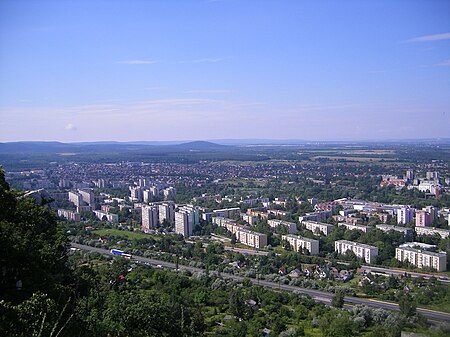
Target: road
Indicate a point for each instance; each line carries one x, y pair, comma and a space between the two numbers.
402, 272
319, 296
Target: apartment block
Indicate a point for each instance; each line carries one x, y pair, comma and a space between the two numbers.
227, 212
149, 218
444, 233
250, 238
387, 228
274, 223
69, 215
166, 212
423, 219
366, 252
421, 258
106, 216
185, 219
298, 242
354, 227
318, 227
405, 215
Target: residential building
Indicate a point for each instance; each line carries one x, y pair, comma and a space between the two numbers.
88, 197
298, 242
227, 212
75, 198
365, 252
136, 193
316, 216
291, 227
250, 219
106, 216
69, 215
185, 219
166, 212
251, 238
318, 227
444, 233
149, 217
423, 219
421, 258
405, 215
169, 193
354, 227
407, 232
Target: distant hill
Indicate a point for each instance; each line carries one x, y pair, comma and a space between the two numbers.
98, 147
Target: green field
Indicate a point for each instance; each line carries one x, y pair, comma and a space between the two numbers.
124, 234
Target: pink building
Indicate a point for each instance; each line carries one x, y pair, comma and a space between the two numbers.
423, 219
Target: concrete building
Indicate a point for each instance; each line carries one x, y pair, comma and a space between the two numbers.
298, 242
75, 198
88, 197
166, 212
444, 233
354, 227
250, 219
421, 258
136, 194
69, 215
250, 238
365, 252
407, 232
410, 175
316, 216
185, 219
150, 216
106, 216
274, 223
405, 215
227, 212
169, 193
318, 227
423, 219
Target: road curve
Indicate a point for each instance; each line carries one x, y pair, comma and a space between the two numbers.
317, 295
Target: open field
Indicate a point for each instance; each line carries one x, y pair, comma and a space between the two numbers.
126, 234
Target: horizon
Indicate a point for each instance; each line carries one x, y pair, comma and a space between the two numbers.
219, 69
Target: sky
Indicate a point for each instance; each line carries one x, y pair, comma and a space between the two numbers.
136, 70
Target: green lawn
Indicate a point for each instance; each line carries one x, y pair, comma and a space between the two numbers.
124, 234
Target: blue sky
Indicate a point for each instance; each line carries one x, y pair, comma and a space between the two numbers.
199, 69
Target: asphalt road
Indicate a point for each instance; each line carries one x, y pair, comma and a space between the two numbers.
317, 295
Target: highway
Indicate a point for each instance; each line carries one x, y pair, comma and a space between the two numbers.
319, 296
402, 272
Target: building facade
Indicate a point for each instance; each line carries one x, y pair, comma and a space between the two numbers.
300, 243
365, 252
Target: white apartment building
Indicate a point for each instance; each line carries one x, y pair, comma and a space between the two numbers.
421, 258
387, 228
317, 227
149, 218
169, 193
444, 233
274, 223
250, 219
88, 197
353, 227
185, 219
106, 216
250, 238
166, 212
298, 242
366, 252
69, 215
405, 215
227, 212
75, 198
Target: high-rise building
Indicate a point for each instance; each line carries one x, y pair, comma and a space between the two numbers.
432, 175
169, 193
405, 215
149, 217
410, 175
136, 194
423, 219
166, 212
88, 197
185, 219
75, 198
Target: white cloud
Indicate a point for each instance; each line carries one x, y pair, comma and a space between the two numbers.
71, 127
138, 62
208, 60
445, 63
428, 38
207, 91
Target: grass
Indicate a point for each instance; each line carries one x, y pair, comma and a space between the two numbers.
124, 234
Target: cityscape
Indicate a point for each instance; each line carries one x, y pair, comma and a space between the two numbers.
224, 168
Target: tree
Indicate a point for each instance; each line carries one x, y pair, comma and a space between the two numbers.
233, 239
407, 306
338, 300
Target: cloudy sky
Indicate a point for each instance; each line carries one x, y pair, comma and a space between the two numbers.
214, 69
